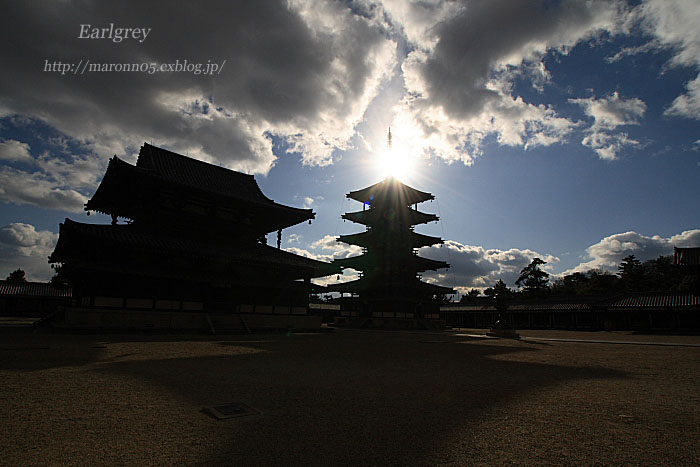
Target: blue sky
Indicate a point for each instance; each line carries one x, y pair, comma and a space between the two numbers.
565, 130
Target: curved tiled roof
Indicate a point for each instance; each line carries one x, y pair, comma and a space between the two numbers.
390, 187
656, 301
365, 239
125, 189
74, 235
33, 289
375, 216
194, 173
416, 263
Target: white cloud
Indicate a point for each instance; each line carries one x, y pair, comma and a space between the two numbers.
608, 145
674, 24
608, 253
609, 113
417, 19
56, 179
337, 249
308, 201
459, 78
294, 238
476, 267
309, 254
688, 104
20, 187
22, 246
74, 171
15, 151
327, 249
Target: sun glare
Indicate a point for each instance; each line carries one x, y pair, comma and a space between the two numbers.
392, 163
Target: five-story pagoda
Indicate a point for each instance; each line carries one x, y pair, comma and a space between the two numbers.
390, 284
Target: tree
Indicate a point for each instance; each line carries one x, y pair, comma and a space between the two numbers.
628, 267
592, 282
571, 284
443, 298
601, 283
500, 288
59, 279
631, 273
689, 284
661, 275
470, 296
17, 275
532, 278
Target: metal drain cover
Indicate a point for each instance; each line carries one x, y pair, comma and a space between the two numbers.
231, 410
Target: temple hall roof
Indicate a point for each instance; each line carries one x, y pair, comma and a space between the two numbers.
194, 173
126, 190
76, 238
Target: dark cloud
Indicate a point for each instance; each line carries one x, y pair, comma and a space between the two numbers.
489, 34
286, 72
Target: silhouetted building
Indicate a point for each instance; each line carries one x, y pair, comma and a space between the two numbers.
639, 312
193, 241
390, 284
31, 298
686, 256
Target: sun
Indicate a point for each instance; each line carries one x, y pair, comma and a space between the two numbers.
393, 162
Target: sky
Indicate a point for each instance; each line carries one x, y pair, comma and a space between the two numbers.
564, 130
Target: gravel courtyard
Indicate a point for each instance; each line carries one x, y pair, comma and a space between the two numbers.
350, 397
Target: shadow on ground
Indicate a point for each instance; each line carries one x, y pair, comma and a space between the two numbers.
344, 398
347, 398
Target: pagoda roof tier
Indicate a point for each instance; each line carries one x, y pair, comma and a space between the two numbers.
368, 239
374, 216
414, 263
165, 181
390, 191
91, 243
364, 285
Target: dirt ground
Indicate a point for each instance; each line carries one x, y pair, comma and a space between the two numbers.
350, 397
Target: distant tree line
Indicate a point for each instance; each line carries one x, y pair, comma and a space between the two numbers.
59, 278
654, 275
18, 275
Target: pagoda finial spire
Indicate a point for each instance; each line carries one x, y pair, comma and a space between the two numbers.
388, 139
